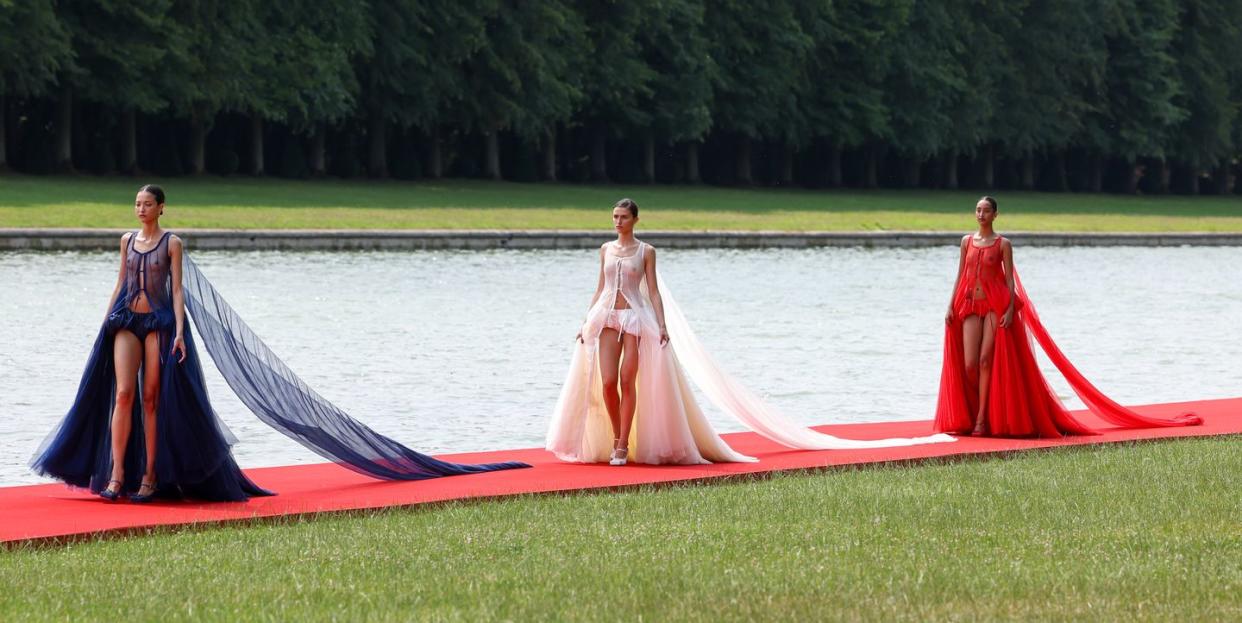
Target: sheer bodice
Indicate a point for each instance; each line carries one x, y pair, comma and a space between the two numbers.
624, 275
148, 272
984, 269
625, 285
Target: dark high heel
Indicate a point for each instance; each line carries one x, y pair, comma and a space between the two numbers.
110, 495
139, 498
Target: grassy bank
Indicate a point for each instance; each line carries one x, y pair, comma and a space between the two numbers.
1142, 532
460, 204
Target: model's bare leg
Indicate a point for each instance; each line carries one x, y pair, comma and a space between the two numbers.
150, 403
985, 371
972, 336
126, 355
609, 372
629, 373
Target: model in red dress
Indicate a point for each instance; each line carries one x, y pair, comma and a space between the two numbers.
990, 383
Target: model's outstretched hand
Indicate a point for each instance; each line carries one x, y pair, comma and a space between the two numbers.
578, 338
178, 347
663, 336
1007, 319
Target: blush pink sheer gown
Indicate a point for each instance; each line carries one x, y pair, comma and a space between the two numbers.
669, 426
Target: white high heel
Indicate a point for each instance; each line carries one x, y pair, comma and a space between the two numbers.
619, 455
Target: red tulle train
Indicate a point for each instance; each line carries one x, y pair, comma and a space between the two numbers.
1020, 401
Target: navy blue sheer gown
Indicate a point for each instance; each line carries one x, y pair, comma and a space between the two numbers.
193, 457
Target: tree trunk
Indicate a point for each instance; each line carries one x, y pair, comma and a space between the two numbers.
1192, 185
935, 173
1133, 176
833, 174
743, 173
4, 124
599, 154
692, 163
80, 149
318, 151
1028, 172
914, 172
649, 175
787, 165
256, 144
129, 142
870, 164
1224, 178
64, 130
198, 142
435, 155
491, 156
549, 155
1166, 177
1060, 177
989, 167
950, 171
1095, 172
377, 145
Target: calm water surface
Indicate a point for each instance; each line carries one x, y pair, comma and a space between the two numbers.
464, 351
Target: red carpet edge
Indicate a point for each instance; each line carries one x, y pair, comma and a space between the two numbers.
55, 513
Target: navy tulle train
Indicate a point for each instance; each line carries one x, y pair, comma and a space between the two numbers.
193, 457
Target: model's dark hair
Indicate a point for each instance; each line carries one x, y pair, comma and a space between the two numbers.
991, 202
155, 191
628, 204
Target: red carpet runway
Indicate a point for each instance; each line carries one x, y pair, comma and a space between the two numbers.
40, 512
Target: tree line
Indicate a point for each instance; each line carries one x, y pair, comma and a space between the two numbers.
1064, 95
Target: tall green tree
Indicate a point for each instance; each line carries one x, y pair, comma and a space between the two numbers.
843, 100
29, 70
927, 80
1208, 37
675, 45
525, 78
1226, 174
413, 76
1136, 108
1052, 59
982, 49
616, 76
214, 67
119, 47
761, 56
301, 70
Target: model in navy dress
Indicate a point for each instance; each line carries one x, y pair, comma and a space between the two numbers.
142, 424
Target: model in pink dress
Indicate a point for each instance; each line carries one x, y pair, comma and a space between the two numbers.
627, 396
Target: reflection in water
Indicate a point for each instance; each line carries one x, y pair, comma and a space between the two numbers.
464, 351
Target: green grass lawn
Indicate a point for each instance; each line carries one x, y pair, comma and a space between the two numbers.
471, 204
1125, 532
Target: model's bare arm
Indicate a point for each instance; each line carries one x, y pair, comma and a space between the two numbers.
1007, 257
599, 285
599, 288
120, 277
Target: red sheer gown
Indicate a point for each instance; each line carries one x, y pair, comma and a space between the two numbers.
1020, 401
